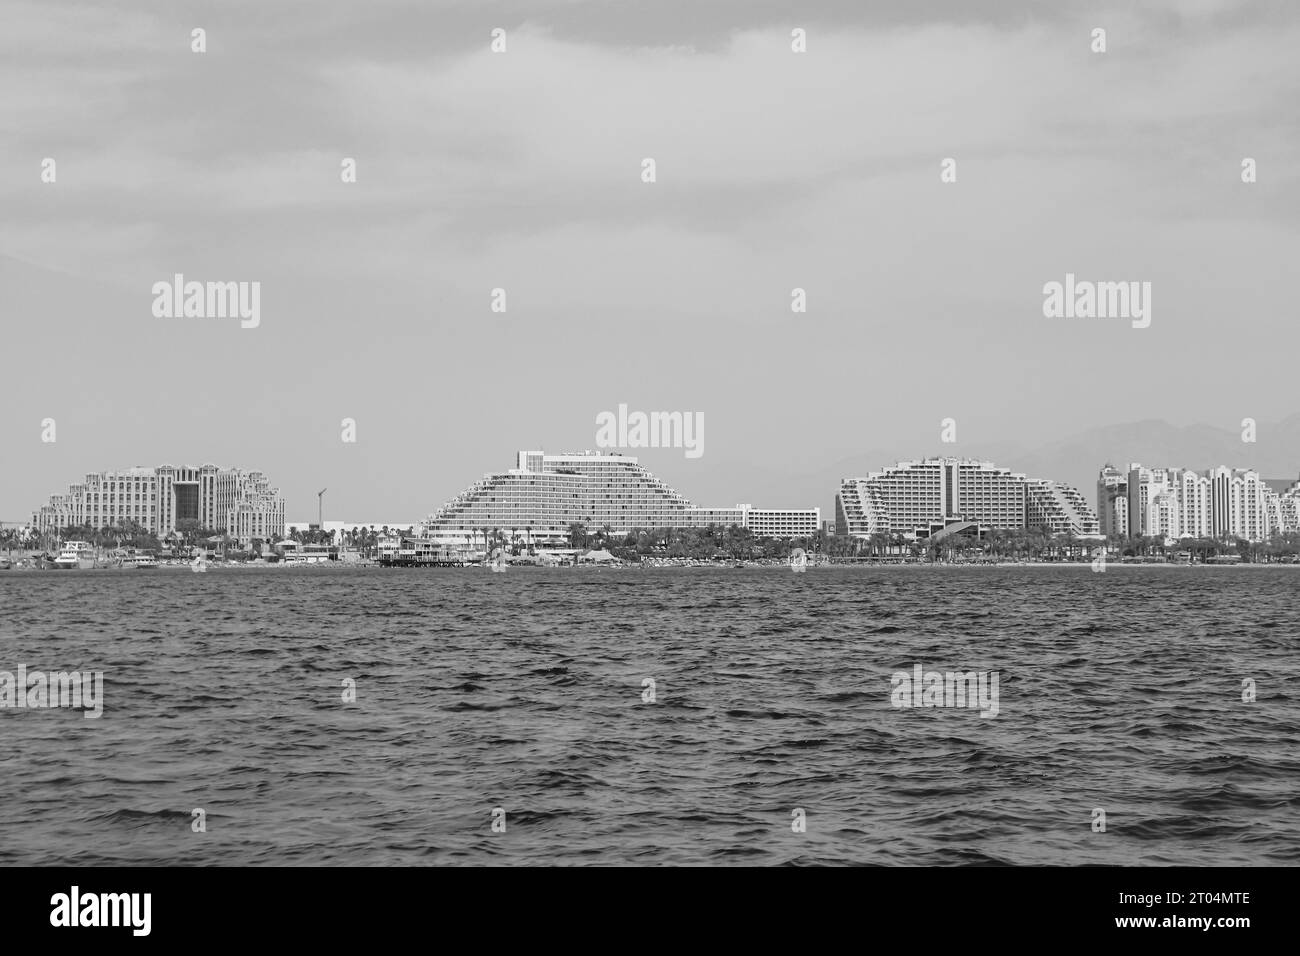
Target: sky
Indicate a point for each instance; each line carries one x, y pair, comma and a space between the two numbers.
522, 170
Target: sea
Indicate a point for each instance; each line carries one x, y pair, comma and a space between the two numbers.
690, 716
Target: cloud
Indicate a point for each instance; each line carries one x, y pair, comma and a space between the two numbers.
775, 170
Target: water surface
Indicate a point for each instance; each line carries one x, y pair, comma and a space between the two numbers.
1120, 691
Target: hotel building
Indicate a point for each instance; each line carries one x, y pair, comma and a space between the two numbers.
918, 498
1112, 501
1284, 505
544, 495
1062, 509
241, 504
1175, 503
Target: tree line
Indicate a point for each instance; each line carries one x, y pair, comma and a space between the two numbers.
714, 541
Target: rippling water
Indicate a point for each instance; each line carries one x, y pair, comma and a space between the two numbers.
1120, 691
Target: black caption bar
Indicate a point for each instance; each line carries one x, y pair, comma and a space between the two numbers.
148, 906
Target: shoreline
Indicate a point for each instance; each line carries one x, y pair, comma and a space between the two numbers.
687, 564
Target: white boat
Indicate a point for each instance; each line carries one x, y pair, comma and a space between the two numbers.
199, 564
497, 562
75, 556
142, 560
798, 560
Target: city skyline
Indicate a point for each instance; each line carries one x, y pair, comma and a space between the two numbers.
1181, 502
1136, 500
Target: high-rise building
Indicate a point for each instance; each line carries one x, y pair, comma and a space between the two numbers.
242, 504
1239, 503
1284, 506
1193, 492
543, 496
1112, 501
1153, 506
1179, 503
913, 498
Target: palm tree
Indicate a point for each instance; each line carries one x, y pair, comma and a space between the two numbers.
882, 540
1023, 544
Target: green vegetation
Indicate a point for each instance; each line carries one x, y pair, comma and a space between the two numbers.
717, 542
123, 534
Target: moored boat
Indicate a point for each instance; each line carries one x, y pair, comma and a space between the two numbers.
75, 556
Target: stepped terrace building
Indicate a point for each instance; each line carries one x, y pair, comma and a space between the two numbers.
242, 504
543, 496
919, 498
1059, 508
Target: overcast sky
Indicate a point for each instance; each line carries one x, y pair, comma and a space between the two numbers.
522, 171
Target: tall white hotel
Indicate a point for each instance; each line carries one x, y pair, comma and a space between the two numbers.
241, 504
918, 498
1180, 503
544, 495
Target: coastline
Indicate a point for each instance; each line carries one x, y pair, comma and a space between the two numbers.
668, 565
